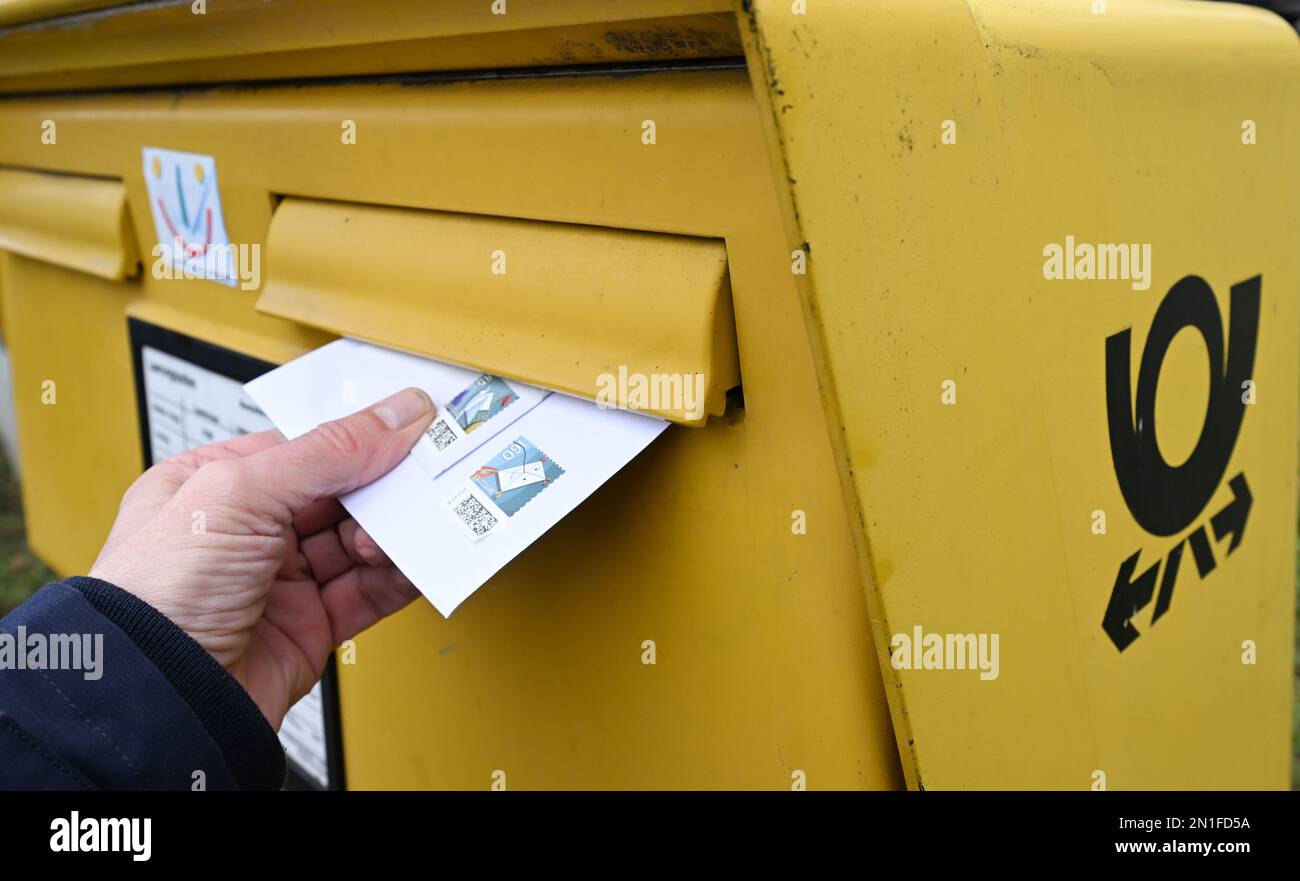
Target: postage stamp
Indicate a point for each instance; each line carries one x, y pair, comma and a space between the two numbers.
514, 476
498, 490
472, 407
485, 397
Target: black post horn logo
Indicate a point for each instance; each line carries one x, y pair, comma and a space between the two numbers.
1165, 499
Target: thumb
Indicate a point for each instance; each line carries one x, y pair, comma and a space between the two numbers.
340, 456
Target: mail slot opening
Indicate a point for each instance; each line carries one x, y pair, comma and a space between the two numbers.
615, 315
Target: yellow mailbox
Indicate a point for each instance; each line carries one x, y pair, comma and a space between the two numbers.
995, 303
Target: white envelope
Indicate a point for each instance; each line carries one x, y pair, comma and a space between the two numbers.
349, 375
408, 511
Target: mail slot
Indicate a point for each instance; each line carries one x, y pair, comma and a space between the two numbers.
838, 222
76, 222
580, 302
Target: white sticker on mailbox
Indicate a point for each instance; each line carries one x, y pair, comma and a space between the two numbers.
187, 217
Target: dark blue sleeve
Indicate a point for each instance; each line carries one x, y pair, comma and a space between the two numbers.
99, 690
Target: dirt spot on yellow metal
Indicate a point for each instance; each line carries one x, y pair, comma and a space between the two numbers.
672, 42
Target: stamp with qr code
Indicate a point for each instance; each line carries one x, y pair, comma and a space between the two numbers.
472, 407
498, 490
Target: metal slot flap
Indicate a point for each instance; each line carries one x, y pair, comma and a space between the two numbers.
584, 310
77, 222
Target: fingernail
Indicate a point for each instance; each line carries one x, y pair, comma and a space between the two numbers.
403, 408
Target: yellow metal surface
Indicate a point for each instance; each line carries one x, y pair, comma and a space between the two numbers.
256, 40
567, 303
928, 266
764, 663
17, 11
76, 416
79, 223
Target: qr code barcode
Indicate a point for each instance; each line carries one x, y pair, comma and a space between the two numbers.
441, 435
472, 513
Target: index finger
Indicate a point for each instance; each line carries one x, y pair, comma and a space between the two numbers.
161, 482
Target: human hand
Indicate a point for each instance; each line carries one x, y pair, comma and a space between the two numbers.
244, 545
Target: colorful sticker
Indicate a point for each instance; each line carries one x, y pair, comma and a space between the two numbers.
187, 216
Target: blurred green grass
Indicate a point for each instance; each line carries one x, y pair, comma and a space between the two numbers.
21, 573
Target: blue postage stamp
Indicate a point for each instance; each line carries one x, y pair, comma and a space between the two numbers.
485, 397
514, 476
